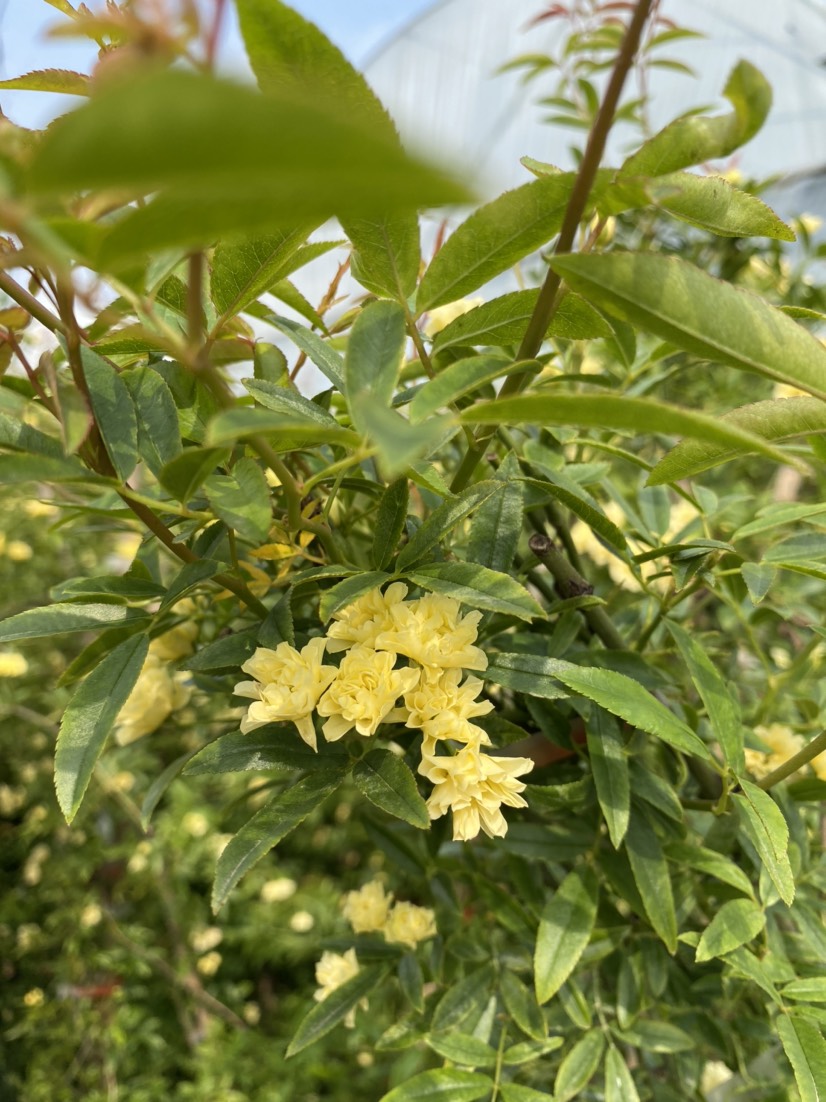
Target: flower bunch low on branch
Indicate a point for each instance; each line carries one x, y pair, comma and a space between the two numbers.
403, 662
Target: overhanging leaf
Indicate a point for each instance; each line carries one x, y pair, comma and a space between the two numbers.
90, 716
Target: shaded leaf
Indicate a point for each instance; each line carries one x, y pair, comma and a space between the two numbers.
267, 827
478, 587
387, 781
651, 874
241, 499
332, 1010
564, 930
443, 520
114, 411
579, 1066
767, 829
90, 716
39, 623
609, 764
389, 524
159, 435
737, 922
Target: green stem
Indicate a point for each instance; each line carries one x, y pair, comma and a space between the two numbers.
570, 583
34, 306
802, 757
548, 296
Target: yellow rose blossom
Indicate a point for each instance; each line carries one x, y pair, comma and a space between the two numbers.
365, 619
408, 924
364, 693
333, 970
440, 702
473, 786
18, 551
156, 694
783, 744
287, 687
432, 632
366, 909
13, 664
442, 316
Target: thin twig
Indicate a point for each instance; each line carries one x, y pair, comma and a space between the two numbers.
802, 757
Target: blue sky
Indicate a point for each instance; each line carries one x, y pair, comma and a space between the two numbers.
356, 26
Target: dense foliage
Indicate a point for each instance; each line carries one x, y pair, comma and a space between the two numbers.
482, 686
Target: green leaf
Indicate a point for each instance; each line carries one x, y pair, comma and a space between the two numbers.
811, 990
627, 699
289, 54
459, 1001
278, 627
805, 1048
156, 790
527, 1052
520, 1003
758, 578
514, 1092
494, 238
397, 442
641, 416
460, 378
159, 435
619, 1083
387, 782
230, 651
774, 420
478, 587
327, 1014
286, 157
43, 468
386, 254
692, 310
62, 81
90, 716
17, 434
286, 400
737, 922
389, 523
318, 351
126, 586
497, 523
768, 831
722, 707
443, 520
657, 1036
114, 411
463, 1049
40, 623
696, 138
609, 764
272, 747
287, 431
650, 870
411, 981
344, 593
711, 203
503, 321
558, 485
267, 827
525, 673
710, 862
442, 1085
190, 575
242, 271
375, 352
241, 500
564, 930
579, 1066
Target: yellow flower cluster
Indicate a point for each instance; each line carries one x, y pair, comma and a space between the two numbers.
783, 744
368, 688
371, 910
158, 691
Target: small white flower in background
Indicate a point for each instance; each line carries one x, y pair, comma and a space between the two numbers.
333, 970
251, 1013
35, 997
302, 922
278, 890
442, 316
207, 938
11, 800
13, 664
408, 924
90, 916
195, 823
33, 868
366, 909
715, 1074
18, 551
209, 964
